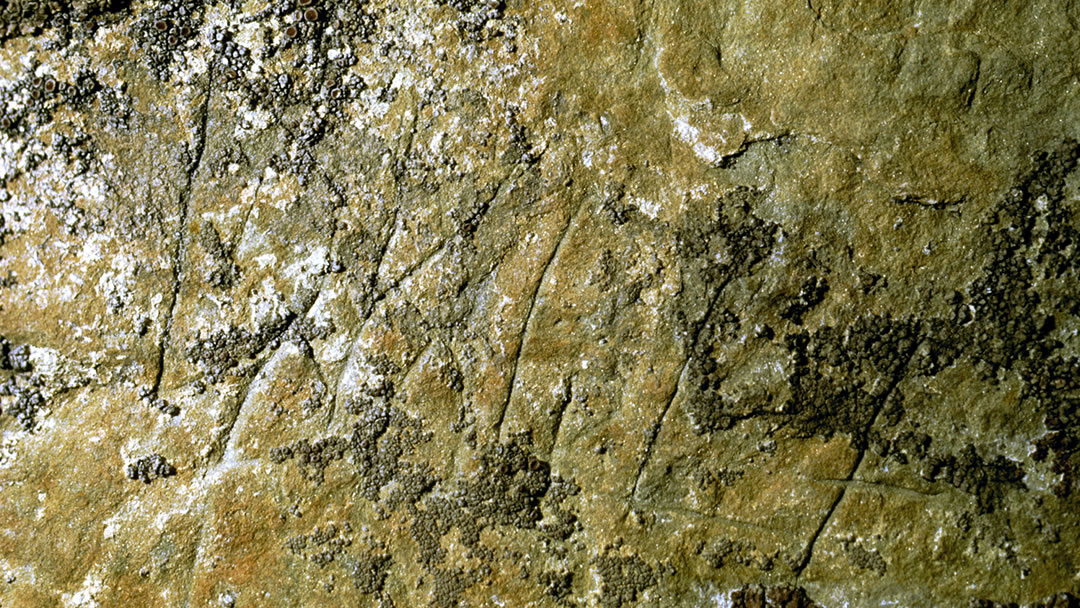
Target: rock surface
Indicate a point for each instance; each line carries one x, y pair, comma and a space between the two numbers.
607, 303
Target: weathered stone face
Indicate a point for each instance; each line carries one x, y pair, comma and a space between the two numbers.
607, 303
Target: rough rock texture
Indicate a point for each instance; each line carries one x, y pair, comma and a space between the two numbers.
606, 303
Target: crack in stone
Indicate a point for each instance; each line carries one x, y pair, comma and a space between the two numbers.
806, 555
221, 444
570, 222
239, 237
415, 266
727, 160
654, 430
184, 201
564, 402
803, 559
385, 248
876, 485
728, 521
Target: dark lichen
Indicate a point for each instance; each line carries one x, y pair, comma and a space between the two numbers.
15, 357
811, 293
863, 558
986, 480
622, 578
24, 405
30, 17
164, 30
149, 468
780, 596
557, 584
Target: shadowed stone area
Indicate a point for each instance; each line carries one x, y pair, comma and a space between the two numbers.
502, 303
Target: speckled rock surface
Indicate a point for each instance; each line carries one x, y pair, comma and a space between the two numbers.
480, 303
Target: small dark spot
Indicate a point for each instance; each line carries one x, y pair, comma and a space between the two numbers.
165, 407
769, 597
149, 468
311, 15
